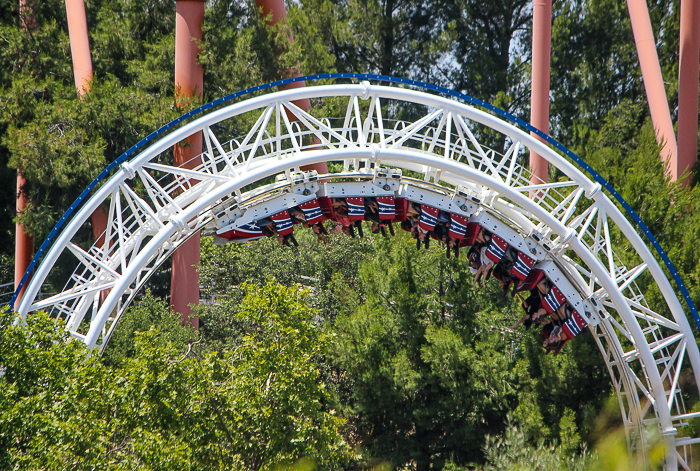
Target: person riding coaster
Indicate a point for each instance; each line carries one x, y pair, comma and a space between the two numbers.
309, 215
508, 265
533, 304
340, 215
566, 326
503, 273
425, 222
480, 264
349, 212
564, 323
379, 213
413, 215
533, 307
442, 234
279, 226
530, 305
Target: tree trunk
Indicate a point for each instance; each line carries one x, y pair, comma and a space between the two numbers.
388, 50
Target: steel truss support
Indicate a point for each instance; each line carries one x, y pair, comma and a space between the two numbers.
155, 207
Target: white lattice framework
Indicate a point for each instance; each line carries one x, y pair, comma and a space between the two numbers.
154, 207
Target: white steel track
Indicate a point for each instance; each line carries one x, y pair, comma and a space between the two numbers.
154, 206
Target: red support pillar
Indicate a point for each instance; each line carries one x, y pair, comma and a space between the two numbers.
83, 74
24, 245
653, 81
189, 81
79, 45
688, 78
278, 12
539, 98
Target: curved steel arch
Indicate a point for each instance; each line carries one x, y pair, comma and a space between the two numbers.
644, 350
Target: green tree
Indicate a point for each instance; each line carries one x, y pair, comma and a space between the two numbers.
253, 408
36, 55
489, 48
145, 314
331, 271
58, 141
594, 64
512, 452
562, 394
427, 371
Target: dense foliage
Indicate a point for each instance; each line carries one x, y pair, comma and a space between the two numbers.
359, 353
253, 407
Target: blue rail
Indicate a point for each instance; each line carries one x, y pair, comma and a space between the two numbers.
380, 78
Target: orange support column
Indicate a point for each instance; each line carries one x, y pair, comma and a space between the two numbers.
24, 245
688, 78
539, 98
79, 45
653, 81
83, 74
278, 12
189, 81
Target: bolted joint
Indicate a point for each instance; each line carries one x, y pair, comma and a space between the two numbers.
564, 239
128, 170
570, 235
594, 191
366, 89
375, 153
178, 223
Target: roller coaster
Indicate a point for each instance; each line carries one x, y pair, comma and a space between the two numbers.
439, 164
